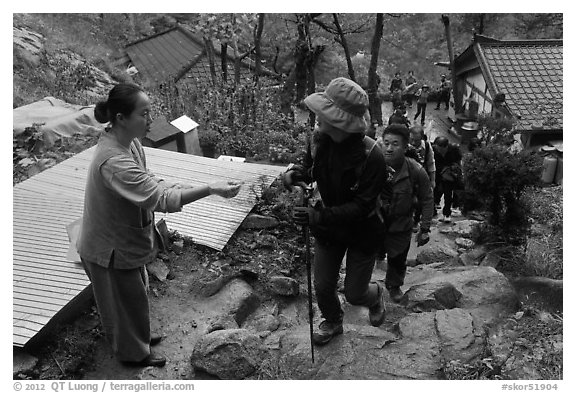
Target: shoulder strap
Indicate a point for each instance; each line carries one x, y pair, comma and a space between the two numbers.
369, 145
413, 181
426, 153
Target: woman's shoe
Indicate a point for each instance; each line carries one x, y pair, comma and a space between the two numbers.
151, 360
155, 339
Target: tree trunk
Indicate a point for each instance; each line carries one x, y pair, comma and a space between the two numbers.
311, 57
481, 26
373, 79
455, 90
237, 58
300, 57
287, 94
210, 52
344, 43
224, 62
257, 49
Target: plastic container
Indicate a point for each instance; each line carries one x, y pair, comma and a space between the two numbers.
549, 169
559, 170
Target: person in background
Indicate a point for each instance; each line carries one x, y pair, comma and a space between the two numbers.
422, 95
445, 88
118, 235
424, 154
410, 89
448, 160
399, 116
396, 87
376, 110
410, 181
350, 174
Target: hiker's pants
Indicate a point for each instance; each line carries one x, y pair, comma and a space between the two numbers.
421, 111
357, 288
395, 248
445, 188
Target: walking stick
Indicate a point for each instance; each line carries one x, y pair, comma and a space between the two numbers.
306, 194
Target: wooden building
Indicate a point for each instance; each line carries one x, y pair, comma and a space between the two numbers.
517, 78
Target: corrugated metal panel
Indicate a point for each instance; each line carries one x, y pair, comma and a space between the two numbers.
44, 281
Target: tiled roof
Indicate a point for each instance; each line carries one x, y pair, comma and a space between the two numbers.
164, 55
529, 73
201, 72
178, 52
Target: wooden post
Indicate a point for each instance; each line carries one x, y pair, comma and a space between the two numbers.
455, 93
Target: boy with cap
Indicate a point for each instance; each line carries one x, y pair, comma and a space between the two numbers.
345, 223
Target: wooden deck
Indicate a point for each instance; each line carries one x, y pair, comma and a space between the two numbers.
44, 281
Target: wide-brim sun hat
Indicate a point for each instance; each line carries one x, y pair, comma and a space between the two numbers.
343, 105
470, 126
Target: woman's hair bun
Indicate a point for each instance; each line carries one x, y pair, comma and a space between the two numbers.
101, 112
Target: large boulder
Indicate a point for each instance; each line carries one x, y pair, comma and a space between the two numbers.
463, 228
237, 298
228, 354
437, 253
460, 338
209, 285
257, 221
284, 286
28, 45
158, 269
432, 296
380, 353
486, 293
473, 257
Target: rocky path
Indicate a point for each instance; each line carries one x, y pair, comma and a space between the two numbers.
454, 313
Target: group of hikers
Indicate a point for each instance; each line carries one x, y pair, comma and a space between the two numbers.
374, 194
402, 95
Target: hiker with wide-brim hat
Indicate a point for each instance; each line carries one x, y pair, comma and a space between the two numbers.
350, 174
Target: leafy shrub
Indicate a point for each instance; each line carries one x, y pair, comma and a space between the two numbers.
499, 176
542, 254
247, 117
499, 130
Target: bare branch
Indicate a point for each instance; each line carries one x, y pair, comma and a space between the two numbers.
325, 27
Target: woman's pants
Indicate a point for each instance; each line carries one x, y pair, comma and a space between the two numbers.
122, 302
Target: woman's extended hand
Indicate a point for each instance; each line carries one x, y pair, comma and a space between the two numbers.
225, 189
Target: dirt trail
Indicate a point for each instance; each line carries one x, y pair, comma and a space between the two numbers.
183, 317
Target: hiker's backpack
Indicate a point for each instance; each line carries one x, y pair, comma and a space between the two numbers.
412, 152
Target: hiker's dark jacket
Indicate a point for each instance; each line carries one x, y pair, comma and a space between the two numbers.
347, 212
453, 156
410, 182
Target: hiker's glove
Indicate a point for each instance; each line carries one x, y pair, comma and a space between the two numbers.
422, 238
305, 215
